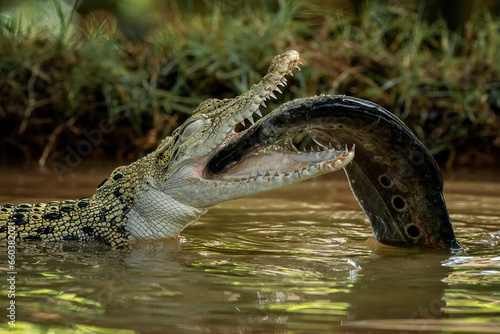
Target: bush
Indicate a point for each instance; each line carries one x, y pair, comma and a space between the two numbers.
55, 83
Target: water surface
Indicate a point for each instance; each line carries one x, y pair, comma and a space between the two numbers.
297, 260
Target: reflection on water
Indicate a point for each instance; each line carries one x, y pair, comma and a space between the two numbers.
295, 260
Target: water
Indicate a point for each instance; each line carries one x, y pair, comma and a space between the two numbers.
296, 260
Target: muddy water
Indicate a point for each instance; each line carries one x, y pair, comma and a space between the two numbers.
298, 260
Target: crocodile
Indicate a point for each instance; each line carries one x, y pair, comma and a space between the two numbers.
160, 194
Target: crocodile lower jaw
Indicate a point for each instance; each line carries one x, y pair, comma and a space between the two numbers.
279, 164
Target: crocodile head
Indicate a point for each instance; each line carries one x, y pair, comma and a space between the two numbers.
185, 161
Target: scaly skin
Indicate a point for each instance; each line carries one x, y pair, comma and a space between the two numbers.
161, 193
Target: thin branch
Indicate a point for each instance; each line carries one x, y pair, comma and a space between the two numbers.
52, 140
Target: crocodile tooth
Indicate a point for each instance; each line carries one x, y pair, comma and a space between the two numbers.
259, 174
276, 174
258, 112
243, 122
263, 103
278, 90
272, 95
267, 173
283, 81
251, 120
282, 84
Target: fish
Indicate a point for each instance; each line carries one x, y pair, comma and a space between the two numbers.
394, 178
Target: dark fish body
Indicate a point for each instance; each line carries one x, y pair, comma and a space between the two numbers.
394, 178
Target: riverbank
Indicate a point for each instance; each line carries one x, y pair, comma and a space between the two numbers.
91, 82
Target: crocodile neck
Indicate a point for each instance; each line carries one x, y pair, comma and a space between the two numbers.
155, 213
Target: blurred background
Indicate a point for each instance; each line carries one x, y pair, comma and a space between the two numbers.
68, 67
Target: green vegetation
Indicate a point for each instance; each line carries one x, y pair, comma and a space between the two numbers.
56, 82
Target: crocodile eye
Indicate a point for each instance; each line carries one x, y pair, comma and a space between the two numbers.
191, 128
